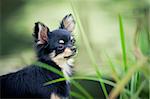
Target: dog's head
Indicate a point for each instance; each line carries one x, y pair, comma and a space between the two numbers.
57, 45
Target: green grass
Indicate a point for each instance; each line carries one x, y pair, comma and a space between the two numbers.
88, 48
128, 84
130, 69
76, 84
130, 79
123, 44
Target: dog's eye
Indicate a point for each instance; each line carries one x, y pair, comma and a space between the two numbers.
61, 42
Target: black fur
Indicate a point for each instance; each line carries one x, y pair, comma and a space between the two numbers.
28, 82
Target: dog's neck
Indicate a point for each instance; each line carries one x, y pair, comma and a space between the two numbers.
59, 62
66, 66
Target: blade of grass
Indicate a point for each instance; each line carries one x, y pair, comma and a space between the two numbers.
88, 48
120, 85
77, 95
122, 38
133, 84
87, 78
50, 68
115, 74
135, 96
77, 85
84, 78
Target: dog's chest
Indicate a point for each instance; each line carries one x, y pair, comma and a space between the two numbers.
67, 68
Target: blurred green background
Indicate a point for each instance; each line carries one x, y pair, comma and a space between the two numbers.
99, 19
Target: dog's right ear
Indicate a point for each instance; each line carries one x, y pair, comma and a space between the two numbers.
68, 23
40, 33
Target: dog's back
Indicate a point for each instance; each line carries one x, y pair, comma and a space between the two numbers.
29, 83
25, 83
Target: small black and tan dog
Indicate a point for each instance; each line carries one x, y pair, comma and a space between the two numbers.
54, 48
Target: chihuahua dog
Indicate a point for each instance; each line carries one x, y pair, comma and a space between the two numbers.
55, 48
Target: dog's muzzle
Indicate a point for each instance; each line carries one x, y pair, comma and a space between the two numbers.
73, 50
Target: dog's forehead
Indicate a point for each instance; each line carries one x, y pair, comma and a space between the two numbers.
61, 33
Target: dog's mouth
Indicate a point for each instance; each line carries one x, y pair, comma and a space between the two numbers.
69, 53
70, 56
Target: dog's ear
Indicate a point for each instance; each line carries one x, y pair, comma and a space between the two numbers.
68, 23
40, 33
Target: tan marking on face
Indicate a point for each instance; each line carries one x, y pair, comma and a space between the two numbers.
67, 52
60, 60
52, 55
63, 63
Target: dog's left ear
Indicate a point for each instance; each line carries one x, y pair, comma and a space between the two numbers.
40, 33
68, 23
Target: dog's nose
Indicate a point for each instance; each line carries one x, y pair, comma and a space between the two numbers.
74, 49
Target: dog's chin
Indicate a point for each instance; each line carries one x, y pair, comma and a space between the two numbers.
70, 56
